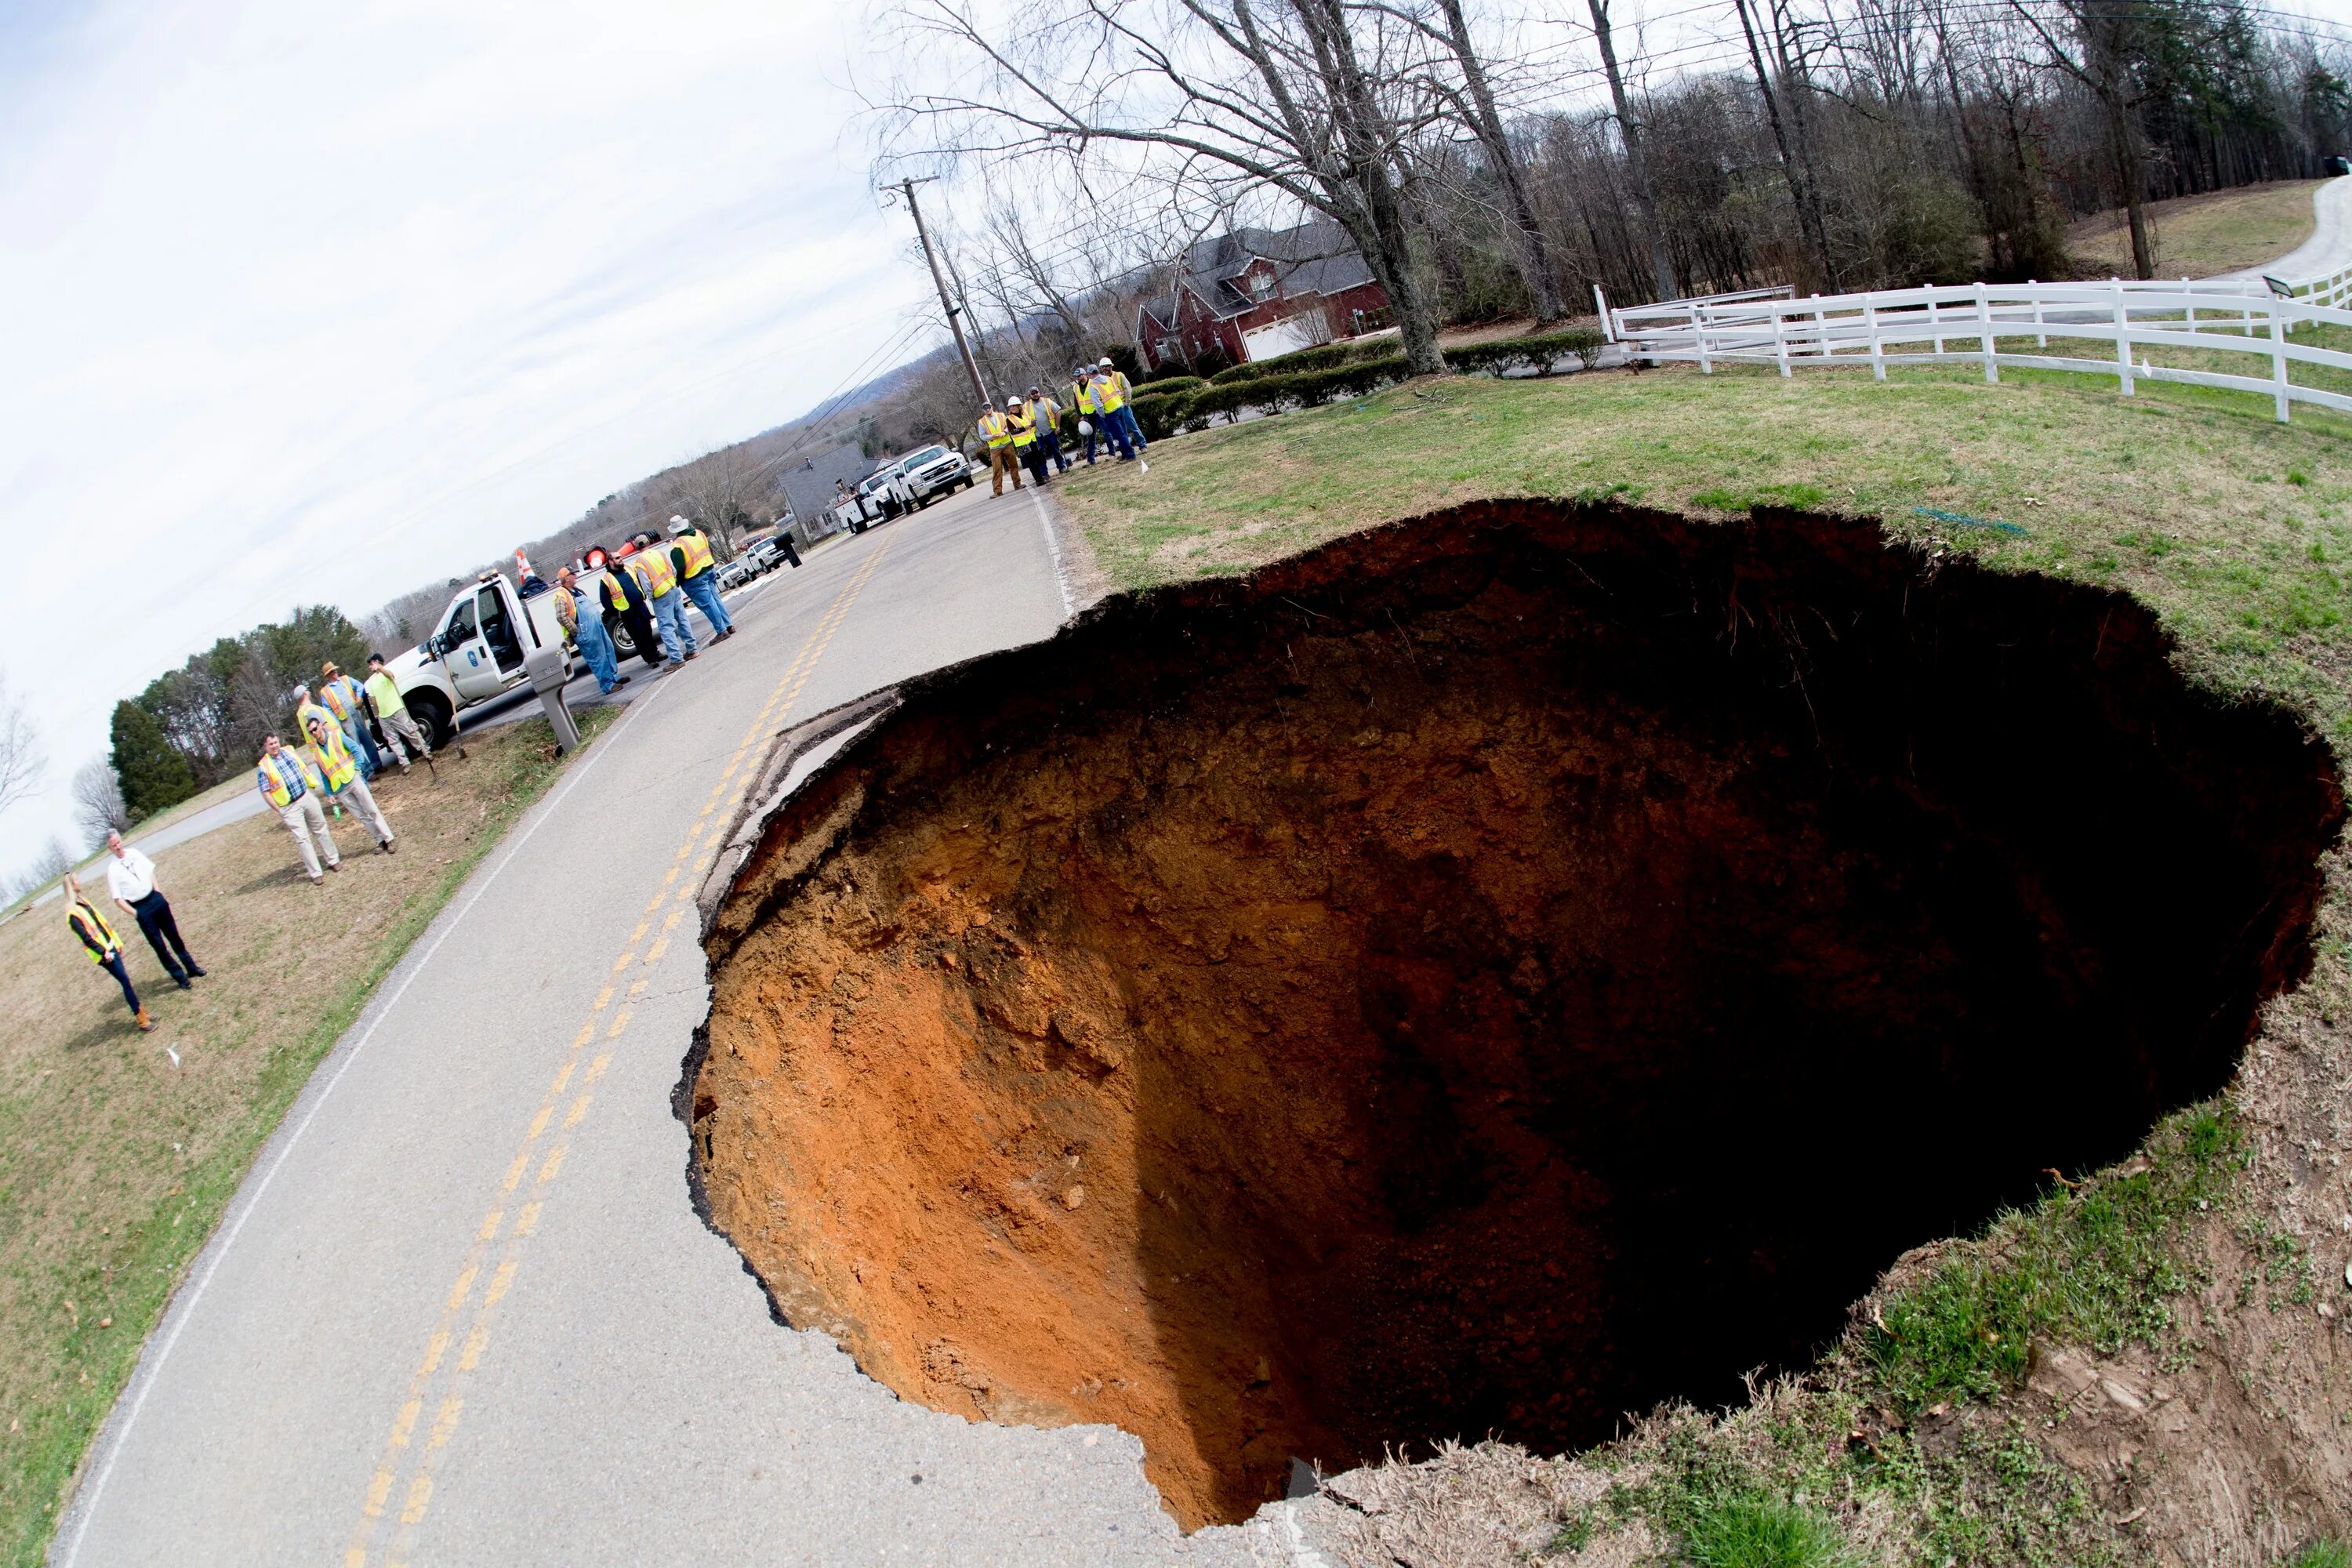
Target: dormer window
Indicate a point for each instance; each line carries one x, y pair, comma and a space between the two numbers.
1261, 284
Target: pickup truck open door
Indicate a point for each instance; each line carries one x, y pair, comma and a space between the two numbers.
481, 645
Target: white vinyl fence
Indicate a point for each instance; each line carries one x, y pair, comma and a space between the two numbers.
1986, 323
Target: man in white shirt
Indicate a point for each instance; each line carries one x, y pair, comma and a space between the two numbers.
131, 879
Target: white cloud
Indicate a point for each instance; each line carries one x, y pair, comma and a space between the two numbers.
312, 305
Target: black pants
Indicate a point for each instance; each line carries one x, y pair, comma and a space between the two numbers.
640, 622
1052, 441
1034, 456
155, 912
112, 964
790, 554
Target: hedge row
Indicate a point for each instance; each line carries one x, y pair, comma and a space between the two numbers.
1316, 376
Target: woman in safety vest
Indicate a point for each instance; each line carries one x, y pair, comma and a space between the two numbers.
1022, 418
104, 947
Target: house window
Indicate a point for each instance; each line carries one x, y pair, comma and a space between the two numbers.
1261, 284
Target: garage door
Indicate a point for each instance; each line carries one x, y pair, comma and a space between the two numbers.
1286, 336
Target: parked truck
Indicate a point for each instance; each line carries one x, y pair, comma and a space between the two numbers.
476, 649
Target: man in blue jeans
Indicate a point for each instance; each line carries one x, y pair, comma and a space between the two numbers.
691, 558
587, 633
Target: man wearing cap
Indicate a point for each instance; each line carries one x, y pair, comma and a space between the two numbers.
620, 589
401, 733
587, 632
690, 555
339, 695
997, 431
288, 783
660, 580
1049, 415
332, 760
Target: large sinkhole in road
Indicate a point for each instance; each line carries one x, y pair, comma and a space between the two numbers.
1485, 976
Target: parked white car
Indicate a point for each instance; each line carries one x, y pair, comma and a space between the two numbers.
919, 477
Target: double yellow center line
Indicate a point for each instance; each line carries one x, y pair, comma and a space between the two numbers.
441, 1378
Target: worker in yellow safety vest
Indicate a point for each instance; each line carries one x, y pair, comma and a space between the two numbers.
340, 694
338, 768
1082, 398
105, 948
1110, 405
1024, 421
294, 790
996, 429
1049, 415
662, 597
622, 591
689, 553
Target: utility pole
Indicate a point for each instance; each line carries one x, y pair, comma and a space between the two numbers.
955, 317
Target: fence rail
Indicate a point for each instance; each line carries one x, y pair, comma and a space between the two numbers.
2251, 318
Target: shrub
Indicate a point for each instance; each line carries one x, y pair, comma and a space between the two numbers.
1538, 353
1324, 357
1160, 416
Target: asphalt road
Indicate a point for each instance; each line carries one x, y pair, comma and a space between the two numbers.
463, 1312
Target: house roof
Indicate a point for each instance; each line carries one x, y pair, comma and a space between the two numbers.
1314, 257
809, 485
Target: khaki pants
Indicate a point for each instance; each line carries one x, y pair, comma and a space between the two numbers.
1000, 460
306, 819
407, 739
364, 807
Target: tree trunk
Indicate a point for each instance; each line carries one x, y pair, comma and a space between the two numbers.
1637, 168
1533, 256
2126, 152
1790, 167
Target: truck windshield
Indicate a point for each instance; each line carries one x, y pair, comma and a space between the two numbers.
928, 454
461, 624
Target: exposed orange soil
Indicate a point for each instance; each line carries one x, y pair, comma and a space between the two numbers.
1439, 985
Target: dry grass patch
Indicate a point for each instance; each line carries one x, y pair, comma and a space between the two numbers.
2197, 236
114, 1164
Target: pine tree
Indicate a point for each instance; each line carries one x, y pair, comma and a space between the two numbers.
152, 774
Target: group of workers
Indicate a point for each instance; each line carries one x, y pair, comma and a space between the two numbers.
1027, 431
648, 592
348, 730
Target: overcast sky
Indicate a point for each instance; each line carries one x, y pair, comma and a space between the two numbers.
313, 304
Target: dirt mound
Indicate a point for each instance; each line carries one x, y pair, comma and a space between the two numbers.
1485, 976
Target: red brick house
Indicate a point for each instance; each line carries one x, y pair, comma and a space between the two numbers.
1254, 293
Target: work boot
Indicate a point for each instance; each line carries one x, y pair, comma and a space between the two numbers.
387, 847
184, 982
334, 865
145, 1023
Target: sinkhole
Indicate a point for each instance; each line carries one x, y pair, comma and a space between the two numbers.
1484, 976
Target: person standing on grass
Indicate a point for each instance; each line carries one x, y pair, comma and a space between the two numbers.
131, 880
339, 695
400, 731
1082, 398
1112, 395
691, 558
587, 632
1107, 411
335, 765
997, 431
287, 782
105, 948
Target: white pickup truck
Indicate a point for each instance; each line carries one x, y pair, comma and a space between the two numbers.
476, 651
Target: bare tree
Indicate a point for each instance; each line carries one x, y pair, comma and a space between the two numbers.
718, 490
2108, 34
1637, 168
22, 760
1313, 99
98, 803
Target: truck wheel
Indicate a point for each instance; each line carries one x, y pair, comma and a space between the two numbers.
433, 715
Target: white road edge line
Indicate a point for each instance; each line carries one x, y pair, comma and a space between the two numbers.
183, 1306
1054, 549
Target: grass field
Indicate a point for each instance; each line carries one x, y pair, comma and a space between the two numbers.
2233, 527
2197, 236
115, 1164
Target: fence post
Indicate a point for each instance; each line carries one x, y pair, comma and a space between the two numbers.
1877, 350
1780, 339
2123, 339
1601, 305
1984, 321
2041, 338
1699, 337
2278, 360
1933, 326
2192, 305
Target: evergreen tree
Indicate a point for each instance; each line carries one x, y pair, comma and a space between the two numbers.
152, 774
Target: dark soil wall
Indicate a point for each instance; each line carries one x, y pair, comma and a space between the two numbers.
1487, 975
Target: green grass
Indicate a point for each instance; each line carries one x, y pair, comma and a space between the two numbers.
2097, 1267
114, 1171
2319, 1554
1758, 1530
